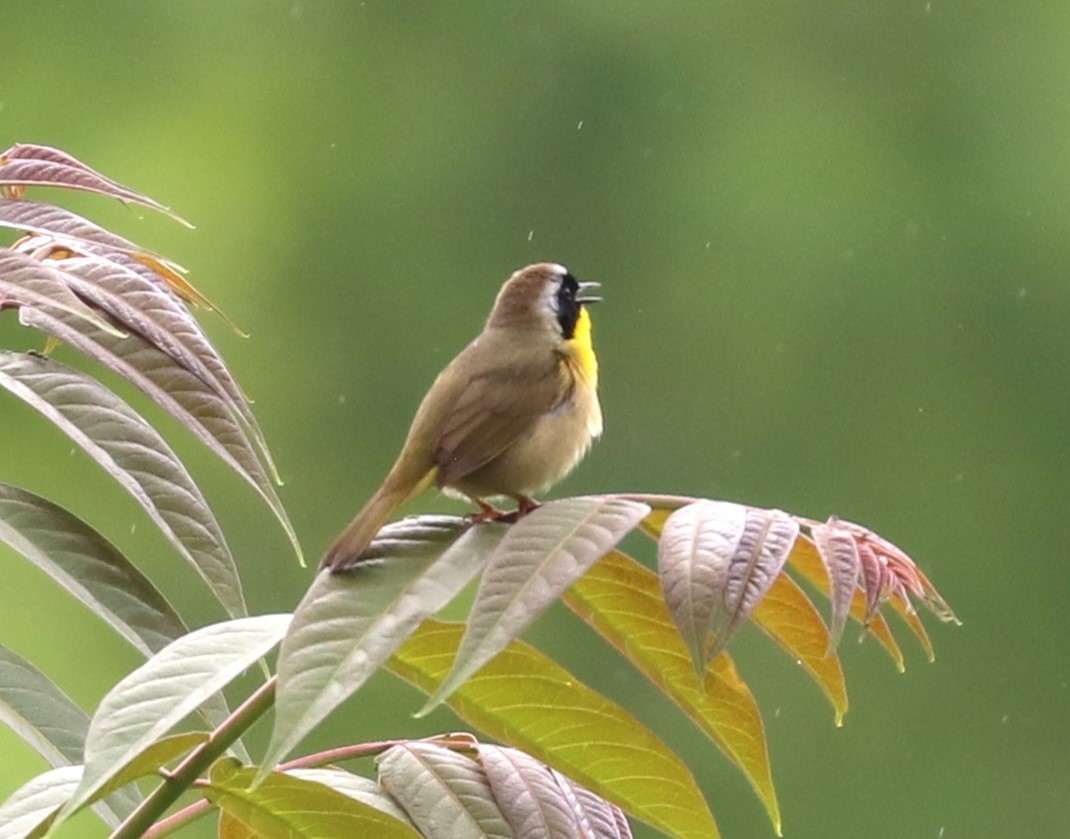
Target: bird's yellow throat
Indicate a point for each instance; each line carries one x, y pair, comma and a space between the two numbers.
581, 351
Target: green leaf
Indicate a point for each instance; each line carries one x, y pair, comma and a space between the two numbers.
148, 763
142, 707
90, 567
528, 701
357, 787
45, 717
133, 453
33, 707
536, 562
347, 625
283, 806
788, 617
233, 828
95, 572
179, 392
622, 601
446, 794
354, 786
30, 809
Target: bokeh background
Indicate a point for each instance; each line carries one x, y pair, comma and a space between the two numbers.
833, 241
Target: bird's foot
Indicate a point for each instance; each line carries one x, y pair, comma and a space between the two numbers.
524, 505
486, 513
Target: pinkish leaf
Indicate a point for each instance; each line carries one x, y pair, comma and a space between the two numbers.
25, 165
528, 794
159, 317
872, 573
145, 308
156, 269
444, 793
597, 818
59, 224
901, 574
54, 250
836, 546
696, 547
763, 549
25, 281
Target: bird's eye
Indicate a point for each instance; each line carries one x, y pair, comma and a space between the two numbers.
569, 287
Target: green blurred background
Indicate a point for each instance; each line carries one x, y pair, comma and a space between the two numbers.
833, 242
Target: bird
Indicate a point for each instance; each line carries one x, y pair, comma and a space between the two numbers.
510, 416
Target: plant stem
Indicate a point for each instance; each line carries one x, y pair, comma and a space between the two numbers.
656, 500
156, 804
457, 743
165, 827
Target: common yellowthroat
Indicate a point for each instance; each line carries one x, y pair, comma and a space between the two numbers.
510, 416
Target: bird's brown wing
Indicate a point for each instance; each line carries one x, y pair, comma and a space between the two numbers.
495, 409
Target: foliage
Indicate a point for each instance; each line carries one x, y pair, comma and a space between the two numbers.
573, 762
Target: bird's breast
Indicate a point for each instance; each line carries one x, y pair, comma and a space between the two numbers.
551, 449
579, 352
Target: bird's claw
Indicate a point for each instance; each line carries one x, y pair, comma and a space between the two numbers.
488, 513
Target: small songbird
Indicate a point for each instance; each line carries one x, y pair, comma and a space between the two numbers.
510, 416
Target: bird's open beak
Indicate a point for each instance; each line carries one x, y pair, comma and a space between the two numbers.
583, 297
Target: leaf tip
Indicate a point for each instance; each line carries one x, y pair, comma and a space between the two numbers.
432, 702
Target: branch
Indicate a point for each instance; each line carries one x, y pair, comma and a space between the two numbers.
177, 782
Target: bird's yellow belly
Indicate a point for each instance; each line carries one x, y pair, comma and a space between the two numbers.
544, 456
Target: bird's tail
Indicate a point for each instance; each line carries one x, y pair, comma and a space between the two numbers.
345, 552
